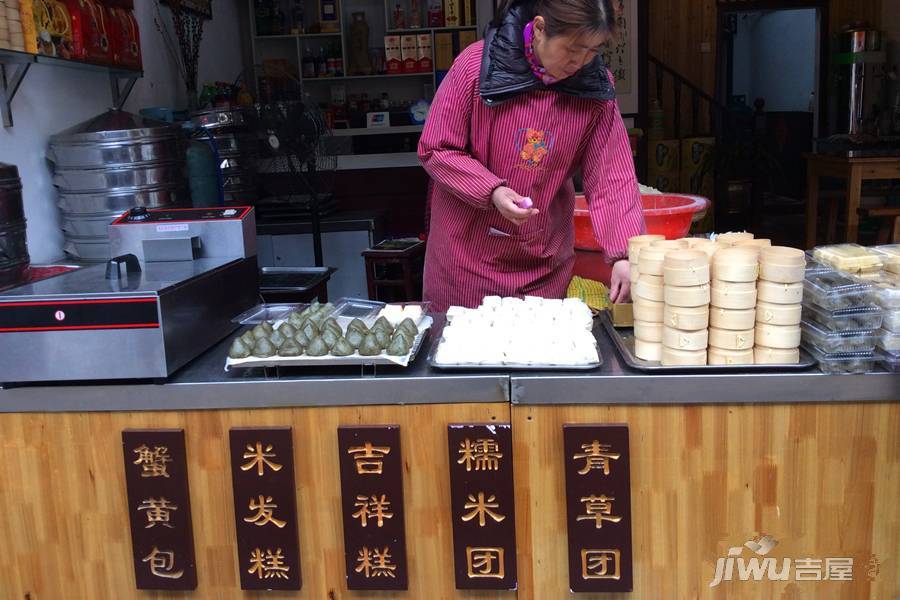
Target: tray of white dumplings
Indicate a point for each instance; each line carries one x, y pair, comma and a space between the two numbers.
518, 333
347, 333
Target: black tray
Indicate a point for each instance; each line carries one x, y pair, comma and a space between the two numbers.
623, 339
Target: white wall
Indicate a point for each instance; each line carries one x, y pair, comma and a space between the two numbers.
53, 99
775, 58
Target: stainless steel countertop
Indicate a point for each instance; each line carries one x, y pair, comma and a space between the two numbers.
204, 385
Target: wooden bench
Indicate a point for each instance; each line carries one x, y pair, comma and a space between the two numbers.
889, 231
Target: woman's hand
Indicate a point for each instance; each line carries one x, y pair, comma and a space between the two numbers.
506, 201
620, 284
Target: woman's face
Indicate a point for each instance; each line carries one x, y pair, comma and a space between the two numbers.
564, 55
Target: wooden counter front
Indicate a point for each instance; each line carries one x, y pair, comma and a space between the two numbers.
65, 519
822, 479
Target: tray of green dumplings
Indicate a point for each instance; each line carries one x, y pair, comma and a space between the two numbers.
346, 333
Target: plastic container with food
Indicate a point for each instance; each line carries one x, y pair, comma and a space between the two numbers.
889, 341
889, 362
832, 342
890, 254
885, 291
861, 318
833, 290
848, 363
848, 257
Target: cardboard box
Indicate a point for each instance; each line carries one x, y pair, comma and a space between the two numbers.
665, 155
424, 53
467, 38
392, 54
452, 16
468, 17
409, 54
443, 51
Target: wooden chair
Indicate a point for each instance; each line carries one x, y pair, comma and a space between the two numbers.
889, 230
394, 276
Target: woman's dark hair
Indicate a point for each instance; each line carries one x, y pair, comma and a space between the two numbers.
568, 17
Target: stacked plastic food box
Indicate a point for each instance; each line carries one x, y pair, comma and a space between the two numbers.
851, 308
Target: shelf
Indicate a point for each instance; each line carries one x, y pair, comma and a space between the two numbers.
377, 130
427, 29
293, 36
351, 162
15, 65
382, 76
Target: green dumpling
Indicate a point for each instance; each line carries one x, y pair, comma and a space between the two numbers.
408, 339
259, 332
277, 339
358, 325
327, 308
239, 349
267, 326
333, 326
310, 329
248, 338
317, 347
408, 327
382, 337
306, 313
330, 338
290, 348
354, 337
370, 346
399, 346
263, 348
296, 319
302, 339
342, 348
287, 330
384, 324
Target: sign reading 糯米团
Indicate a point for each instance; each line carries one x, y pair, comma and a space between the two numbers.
159, 509
598, 507
372, 506
265, 508
482, 506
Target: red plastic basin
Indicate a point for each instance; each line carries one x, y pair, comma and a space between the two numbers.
666, 214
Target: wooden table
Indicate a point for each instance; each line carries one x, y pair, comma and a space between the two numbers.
855, 171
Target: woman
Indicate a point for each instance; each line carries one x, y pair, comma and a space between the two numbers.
516, 117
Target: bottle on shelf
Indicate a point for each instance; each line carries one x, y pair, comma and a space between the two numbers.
309, 64
298, 27
399, 17
415, 15
435, 13
263, 17
331, 62
321, 64
278, 20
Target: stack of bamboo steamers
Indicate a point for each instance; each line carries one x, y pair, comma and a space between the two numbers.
732, 301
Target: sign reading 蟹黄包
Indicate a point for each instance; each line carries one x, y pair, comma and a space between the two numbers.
159, 509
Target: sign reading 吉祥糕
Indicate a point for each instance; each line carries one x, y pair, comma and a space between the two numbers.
598, 507
159, 509
372, 506
482, 506
265, 508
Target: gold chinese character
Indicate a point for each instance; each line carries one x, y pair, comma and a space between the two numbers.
481, 508
157, 511
375, 563
162, 563
153, 462
595, 564
598, 509
485, 453
264, 512
373, 508
269, 565
369, 459
839, 569
808, 569
597, 456
484, 562
260, 459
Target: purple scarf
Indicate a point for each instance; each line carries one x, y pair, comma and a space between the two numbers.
536, 67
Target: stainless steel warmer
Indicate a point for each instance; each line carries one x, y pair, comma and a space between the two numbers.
179, 278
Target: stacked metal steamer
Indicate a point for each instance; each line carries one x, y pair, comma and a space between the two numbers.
236, 145
14, 258
110, 164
